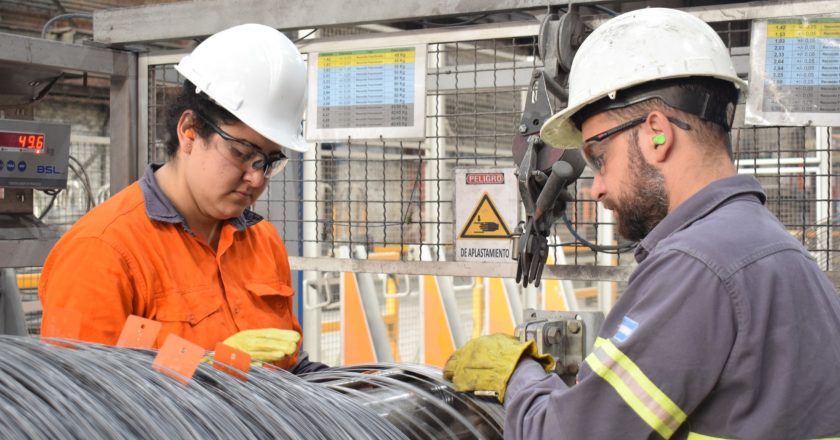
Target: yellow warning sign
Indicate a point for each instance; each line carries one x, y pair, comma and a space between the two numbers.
485, 221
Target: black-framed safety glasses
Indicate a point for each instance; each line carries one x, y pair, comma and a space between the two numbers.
270, 164
595, 158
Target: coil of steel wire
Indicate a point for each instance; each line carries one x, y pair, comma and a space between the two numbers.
93, 391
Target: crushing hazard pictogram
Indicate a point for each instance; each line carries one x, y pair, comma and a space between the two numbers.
485, 221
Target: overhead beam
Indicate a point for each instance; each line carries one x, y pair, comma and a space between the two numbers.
49, 54
199, 18
758, 9
765, 9
178, 20
476, 32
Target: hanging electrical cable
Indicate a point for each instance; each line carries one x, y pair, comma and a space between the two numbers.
53, 193
82, 174
626, 247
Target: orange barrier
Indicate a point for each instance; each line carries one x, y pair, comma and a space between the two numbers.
499, 312
356, 340
553, 297
478, 306
392, 302
28, 280
438, 342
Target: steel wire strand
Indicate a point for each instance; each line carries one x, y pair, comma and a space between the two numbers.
481, 412
403, 407
250, 409
275, 393
93, 391
44, 393
138, 393
487, 410
442, 417
427, 403
114, 391
318, 399
408, 425
103, 389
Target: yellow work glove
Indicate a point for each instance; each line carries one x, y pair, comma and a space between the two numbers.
265, 345
486, 363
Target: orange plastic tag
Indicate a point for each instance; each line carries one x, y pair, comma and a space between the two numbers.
178, 358
62, 324
232, 361
139, 333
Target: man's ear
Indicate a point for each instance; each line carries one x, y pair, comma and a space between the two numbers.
657, 137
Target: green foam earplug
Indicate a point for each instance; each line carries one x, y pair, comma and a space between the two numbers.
659, 139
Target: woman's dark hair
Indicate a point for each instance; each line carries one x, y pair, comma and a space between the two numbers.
188, 99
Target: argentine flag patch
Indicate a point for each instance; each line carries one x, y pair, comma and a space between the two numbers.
627, 327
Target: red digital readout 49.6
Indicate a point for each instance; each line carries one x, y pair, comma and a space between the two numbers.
23, 141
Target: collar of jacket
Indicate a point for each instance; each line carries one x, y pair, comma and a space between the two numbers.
160, 208
698, 206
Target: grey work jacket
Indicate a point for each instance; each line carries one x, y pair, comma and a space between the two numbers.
727, 329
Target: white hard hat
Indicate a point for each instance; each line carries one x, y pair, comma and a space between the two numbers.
257, 74
633, 49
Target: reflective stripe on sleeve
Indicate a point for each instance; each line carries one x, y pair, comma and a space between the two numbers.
696, 436
628, 380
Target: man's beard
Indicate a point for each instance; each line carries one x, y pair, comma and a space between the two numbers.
646, 202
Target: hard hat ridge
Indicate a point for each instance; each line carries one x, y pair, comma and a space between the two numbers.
257, 74
710, 99
616, 62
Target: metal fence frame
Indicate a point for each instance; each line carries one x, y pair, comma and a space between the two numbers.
309, 193
302, 182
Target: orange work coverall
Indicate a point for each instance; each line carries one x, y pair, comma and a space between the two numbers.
135, 255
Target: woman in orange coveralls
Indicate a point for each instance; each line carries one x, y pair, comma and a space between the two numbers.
180, 246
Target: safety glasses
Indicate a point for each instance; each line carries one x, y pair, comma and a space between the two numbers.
245, 153
593, 149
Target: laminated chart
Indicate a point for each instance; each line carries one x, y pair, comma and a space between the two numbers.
795, 77
367, 94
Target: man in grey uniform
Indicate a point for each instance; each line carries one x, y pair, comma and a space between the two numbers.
727, 328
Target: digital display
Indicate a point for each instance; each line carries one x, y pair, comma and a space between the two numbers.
22, 141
